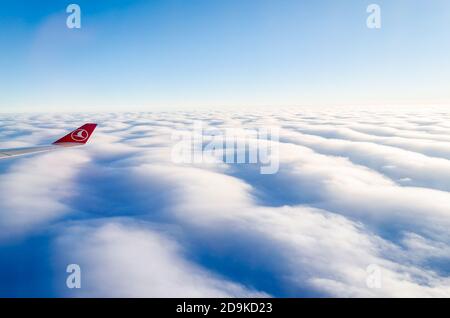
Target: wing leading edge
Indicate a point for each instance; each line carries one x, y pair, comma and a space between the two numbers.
77, 137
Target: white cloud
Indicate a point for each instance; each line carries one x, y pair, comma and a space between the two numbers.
129, 260
354, 188
35, 191
313, 248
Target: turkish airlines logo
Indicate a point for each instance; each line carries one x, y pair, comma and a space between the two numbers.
80, 135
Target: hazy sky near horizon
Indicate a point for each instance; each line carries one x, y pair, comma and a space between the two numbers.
187, 53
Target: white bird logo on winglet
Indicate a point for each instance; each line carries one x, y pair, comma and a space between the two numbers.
80, 135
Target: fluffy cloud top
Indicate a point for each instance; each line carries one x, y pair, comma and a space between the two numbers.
355, 189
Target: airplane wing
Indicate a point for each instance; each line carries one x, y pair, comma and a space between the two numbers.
77, 137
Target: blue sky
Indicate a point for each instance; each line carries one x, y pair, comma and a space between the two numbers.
197, 53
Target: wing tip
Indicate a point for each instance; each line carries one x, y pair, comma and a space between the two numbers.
80, 135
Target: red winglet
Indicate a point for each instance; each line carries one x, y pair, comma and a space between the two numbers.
78, 136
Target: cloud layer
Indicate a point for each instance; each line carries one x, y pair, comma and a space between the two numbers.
356, 189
